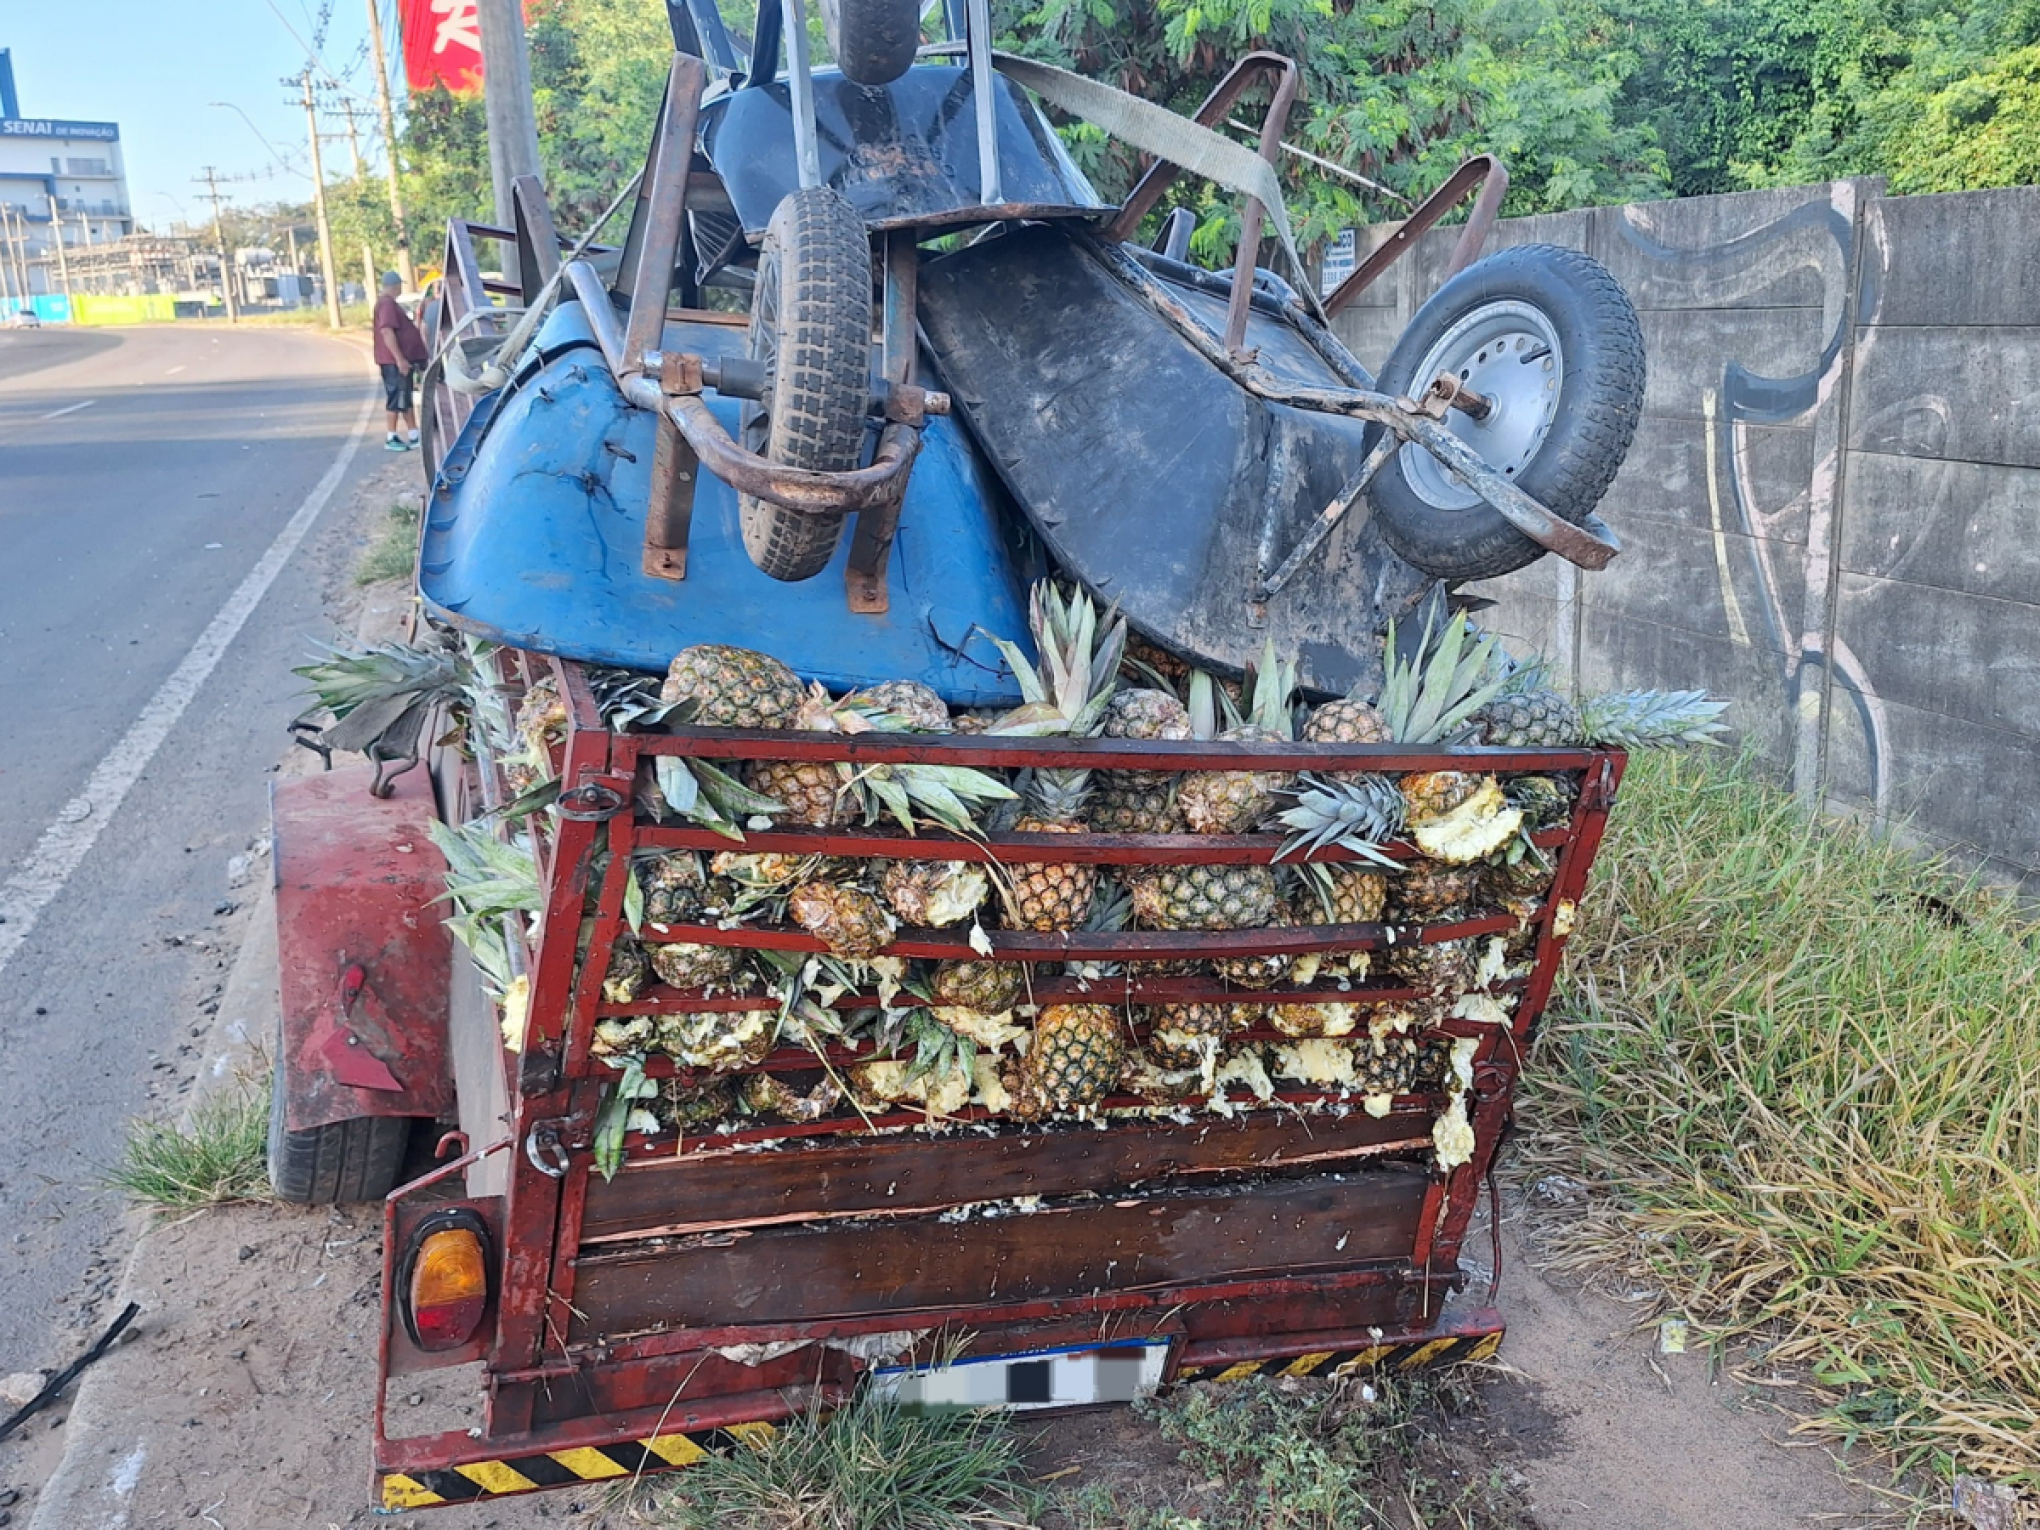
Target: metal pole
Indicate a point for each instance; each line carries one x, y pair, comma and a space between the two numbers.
506, 100
389, 133
354, 144
212, 186
329, 268
800, 84
7, 259
63, 261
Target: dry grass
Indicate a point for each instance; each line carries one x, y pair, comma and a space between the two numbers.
1800, 1071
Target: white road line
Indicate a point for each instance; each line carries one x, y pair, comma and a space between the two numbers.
75, 829
58, 414
175, 370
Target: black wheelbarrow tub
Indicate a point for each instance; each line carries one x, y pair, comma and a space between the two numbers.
1154, 478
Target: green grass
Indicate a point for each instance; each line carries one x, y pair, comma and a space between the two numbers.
393, 550
1291, 1455
219, 1160
870, 1466
1799, 1068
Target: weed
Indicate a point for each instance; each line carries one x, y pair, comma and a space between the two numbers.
394, 549
219, 1160
869, 1466
1303, 1455
1801, 1070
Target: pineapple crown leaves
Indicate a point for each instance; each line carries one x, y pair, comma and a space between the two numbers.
628, 700
942, 794
1432, 695
709, 795
1205, 697
1360, 813
612, 1121
1266, 694
1653, 719
1078, 668
346, 677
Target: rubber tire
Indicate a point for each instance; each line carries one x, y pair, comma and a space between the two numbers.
873, 40
358, 1159
1600, 402
811, 321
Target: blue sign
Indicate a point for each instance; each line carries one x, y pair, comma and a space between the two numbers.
56, 127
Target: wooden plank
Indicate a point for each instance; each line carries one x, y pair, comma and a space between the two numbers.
900, 1176
792, 1274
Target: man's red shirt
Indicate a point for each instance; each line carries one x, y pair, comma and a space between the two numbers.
390, 315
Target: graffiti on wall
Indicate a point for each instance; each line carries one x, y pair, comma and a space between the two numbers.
1763, 571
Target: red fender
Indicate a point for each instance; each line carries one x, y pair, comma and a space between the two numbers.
364, 956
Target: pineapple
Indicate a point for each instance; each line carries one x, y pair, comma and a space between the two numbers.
1458, 818
1388, 1063
683, 1105
848, 920
1348, 720
628, 972
672, 885
764, 1094
934, 894
1234, 801
1067, 695
733, 687
1430, 893
1190, 1035
990, 988
1531, 719
1075, 1059
814, 792
1139, 801
1446, 967
1146, 658
1343, 895
1206, 898
1272, 970
694, 966
1546, 801
912, 703
1314, 1018
719, 1041
1537, 717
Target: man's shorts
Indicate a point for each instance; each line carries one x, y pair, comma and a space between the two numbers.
396, 388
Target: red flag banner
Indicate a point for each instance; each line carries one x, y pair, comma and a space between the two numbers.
443, 45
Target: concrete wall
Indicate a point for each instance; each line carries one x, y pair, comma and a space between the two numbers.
1831, 514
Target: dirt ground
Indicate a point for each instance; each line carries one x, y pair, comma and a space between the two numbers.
243, 1399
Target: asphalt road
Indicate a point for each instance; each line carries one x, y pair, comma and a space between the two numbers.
144, 473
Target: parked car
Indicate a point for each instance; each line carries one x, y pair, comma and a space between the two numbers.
23, 318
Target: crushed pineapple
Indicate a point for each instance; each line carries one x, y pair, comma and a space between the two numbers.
1478, 827
516, 1013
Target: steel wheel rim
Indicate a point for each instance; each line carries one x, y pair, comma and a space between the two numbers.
755, 419
1509, 353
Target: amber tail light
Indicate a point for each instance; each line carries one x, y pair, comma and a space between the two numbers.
443, 1281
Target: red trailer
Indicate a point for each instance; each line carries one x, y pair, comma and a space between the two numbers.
719, 1283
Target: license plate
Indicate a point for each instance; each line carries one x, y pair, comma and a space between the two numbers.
1055, 1378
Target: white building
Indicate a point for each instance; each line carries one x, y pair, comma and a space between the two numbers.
56, 176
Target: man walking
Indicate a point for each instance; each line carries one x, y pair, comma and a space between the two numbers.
399, 352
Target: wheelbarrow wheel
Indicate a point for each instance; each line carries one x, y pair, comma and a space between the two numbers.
340, 1162
1549, 338
811, 326
873, 40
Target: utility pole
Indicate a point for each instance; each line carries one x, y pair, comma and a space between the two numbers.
354, 143
389, 133
7, 259
211, 181
506, 102
330, 272
63, 261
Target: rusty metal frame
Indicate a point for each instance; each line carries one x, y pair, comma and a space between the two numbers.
1484, 171
557, 1085
1161, 174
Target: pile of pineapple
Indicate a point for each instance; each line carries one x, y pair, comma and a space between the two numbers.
970, 1037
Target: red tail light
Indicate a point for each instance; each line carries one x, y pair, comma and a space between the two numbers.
445, 1280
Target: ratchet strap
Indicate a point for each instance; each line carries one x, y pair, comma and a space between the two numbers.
1158, 131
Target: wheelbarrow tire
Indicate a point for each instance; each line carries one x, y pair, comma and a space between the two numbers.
811, 325
1506, 305
358, 1159
873, 40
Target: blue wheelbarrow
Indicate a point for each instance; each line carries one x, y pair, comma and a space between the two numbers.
873, 355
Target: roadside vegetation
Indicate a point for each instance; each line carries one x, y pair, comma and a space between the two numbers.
217, 1159
1795, 1073
1386, 1453
871, 1466
393, 548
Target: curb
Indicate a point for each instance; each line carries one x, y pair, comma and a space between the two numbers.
102, 1461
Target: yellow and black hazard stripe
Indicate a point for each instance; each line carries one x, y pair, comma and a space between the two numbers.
1406, 1355
562, 1468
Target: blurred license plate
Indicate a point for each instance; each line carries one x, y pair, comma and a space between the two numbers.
1063, 1378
